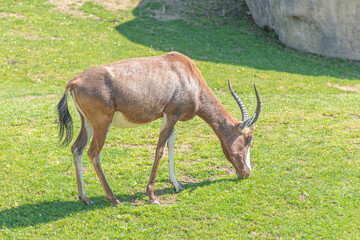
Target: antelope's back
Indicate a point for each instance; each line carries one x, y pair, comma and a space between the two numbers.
143, 88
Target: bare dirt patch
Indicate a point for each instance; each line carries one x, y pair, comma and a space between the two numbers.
29, 97
180, 147
353, 88
269, 127
356, 142
228, 170
183, 147
164, 10
15, 15
353, 116
32, 36
130, 146
72, 6
28, 35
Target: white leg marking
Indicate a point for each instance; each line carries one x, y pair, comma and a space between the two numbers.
78, 158
89, 129
171, 146
78, 155
164, 121
248, 159
79, 173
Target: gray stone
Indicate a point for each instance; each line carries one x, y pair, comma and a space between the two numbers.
325, 27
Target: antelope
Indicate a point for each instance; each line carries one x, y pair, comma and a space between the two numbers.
133, 92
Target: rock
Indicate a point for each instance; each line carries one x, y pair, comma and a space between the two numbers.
325, 27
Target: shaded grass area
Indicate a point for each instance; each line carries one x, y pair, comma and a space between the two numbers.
238, 43
305, 154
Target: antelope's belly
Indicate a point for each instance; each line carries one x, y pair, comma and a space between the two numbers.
120, 121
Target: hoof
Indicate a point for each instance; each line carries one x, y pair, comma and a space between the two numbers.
179, 189
86, 200
154, 202
116, 203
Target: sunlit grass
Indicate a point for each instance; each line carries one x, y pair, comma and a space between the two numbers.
305, 154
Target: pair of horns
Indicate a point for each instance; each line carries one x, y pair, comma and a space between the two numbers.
246, 121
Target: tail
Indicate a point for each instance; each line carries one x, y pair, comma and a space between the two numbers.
65, 120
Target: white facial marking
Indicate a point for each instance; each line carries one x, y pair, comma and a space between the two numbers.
248, 159
120, 121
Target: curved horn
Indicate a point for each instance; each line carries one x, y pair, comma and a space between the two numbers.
244, 113
258, 108
246, 121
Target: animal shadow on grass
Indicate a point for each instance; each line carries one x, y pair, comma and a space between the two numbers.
44, 212
33, 214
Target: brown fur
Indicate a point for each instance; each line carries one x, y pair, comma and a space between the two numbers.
143, 90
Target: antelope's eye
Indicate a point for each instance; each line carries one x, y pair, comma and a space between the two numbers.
248, 140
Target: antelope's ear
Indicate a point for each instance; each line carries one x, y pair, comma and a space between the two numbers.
240, 127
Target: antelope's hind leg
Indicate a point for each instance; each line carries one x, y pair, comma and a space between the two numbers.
77, 150
100, 132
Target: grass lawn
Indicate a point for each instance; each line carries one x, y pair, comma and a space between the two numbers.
305, 179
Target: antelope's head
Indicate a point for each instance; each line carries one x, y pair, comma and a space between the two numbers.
237, 147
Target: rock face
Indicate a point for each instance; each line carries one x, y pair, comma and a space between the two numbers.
326, 27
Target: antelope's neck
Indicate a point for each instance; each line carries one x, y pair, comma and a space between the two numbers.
215, 114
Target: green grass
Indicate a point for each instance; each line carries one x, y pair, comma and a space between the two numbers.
305, 157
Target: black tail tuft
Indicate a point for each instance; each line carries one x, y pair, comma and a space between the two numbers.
65, 121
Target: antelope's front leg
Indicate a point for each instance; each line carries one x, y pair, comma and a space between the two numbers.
171, 146
151, 184
167, 129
